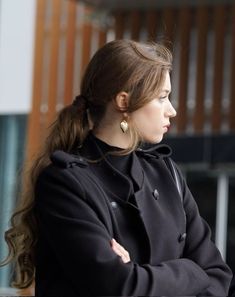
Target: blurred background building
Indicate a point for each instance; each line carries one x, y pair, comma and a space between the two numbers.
45, 46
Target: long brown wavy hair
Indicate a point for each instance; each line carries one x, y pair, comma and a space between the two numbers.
121, 65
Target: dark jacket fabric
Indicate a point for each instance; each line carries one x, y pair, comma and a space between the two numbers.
81, 205
232, 287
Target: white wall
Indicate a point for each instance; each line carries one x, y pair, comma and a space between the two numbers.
17, 30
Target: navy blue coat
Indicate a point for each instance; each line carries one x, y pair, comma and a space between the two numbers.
81, 205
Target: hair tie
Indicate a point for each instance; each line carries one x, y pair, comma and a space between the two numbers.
80, 101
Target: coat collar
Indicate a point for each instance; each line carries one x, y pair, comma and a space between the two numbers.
157, 151
110, 177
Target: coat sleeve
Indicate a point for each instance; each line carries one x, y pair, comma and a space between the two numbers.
200, 249
81, 244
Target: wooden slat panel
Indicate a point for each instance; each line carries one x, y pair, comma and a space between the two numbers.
219, 28
152, 21
184, 27
135, 19
34, 128
232, 81
169, 25
70, 51
152, 28
86, 41
102, 37
54, 55
119, 26
201, 23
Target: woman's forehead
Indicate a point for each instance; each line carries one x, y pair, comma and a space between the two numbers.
166, 87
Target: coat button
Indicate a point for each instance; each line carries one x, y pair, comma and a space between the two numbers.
156, 194
113, 204
182, 237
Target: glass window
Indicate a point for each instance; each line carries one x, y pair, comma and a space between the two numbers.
12, 151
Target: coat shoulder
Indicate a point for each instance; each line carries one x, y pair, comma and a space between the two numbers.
64, 172
67, 160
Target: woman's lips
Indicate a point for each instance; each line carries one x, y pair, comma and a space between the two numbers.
167, 127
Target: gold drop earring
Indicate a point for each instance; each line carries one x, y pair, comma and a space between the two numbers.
124, 124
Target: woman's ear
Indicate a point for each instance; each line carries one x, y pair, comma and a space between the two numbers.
121, 101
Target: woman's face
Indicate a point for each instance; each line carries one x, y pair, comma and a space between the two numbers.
153, 119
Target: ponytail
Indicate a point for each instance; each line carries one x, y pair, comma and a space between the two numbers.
69, 130
71, 127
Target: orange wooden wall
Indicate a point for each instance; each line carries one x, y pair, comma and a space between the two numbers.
64, 42
203, 42
202, 39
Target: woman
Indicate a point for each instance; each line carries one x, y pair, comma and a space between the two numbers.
107, 214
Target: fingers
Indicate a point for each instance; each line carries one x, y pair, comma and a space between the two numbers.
120, 251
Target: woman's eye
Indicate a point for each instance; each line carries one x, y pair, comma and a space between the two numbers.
163, 98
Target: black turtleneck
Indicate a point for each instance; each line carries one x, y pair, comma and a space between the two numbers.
121, 163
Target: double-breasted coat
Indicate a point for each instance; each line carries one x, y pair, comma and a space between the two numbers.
81, 205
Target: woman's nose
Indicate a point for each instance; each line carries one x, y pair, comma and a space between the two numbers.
171, 112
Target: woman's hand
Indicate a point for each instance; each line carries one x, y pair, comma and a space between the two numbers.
120, 251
